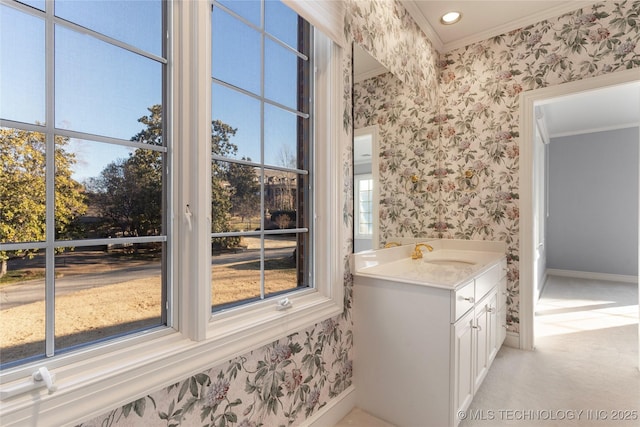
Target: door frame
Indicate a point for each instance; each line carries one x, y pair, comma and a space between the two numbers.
527, 179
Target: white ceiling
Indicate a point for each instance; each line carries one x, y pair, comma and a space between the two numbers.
482, 19
604, 109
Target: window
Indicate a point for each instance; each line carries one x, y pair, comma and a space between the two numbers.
261, 156
83, 229
364, 206
162, 178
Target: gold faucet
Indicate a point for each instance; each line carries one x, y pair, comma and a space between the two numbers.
417, 253
390, 244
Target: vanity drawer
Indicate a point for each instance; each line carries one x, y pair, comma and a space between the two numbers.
464, 299
489, 279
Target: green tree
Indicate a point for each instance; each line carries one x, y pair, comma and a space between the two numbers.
245, 191
23, 190
221, 145
128, 192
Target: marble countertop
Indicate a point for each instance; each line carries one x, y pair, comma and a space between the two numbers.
451, 264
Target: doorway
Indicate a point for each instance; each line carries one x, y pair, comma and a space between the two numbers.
529, 169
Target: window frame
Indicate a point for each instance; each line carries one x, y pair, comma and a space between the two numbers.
357, 209
92, 379
60, 357
303, 111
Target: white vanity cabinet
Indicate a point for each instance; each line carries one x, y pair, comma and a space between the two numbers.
421, 351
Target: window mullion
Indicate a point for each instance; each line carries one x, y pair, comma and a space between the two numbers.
192, 124
262, 148
50, 146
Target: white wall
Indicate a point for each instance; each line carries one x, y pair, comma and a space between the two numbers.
540, 212
593, 202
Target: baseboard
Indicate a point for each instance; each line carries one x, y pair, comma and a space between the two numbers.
334, 411
512, 340
594, 276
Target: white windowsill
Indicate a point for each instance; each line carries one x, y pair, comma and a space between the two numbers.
89, 389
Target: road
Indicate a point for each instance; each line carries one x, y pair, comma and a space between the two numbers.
33, 290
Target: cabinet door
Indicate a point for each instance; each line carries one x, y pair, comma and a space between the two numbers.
482, 330
494, 326
502, 311
463, 356
502, 326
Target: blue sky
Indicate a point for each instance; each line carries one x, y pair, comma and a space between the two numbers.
104, 90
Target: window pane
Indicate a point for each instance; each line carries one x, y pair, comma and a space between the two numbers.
22, 74
280, 191
236, 52
244, 189
235, 200
248, 9
107, 290
102, 89
280, 263
281, 74
22, 186
281, 22
22, 310
121, 192
280, 137
237, 120
138, 23
235, 275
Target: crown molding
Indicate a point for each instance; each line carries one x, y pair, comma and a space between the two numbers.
423, 24
357, 78
432, 35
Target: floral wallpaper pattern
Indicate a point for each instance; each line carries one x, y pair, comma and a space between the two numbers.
479, 114
465, 150
408, 140
465, 154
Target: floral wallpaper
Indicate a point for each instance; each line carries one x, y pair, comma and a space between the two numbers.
402, 103
479, 114
451, 169
408, 140
464, 153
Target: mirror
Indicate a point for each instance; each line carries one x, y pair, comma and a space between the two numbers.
365, 188
366, 149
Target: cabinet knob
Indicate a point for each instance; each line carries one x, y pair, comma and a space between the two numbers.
490, 310
476, 327
470, 299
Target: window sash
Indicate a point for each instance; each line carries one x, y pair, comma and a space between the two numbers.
52, 243
301, 192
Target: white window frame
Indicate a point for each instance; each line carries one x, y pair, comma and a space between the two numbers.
357, 210
95, 379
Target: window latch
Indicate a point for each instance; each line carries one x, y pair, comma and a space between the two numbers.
41, 377
284, 304
188, 215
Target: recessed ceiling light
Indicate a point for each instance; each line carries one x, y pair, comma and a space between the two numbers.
450, 18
